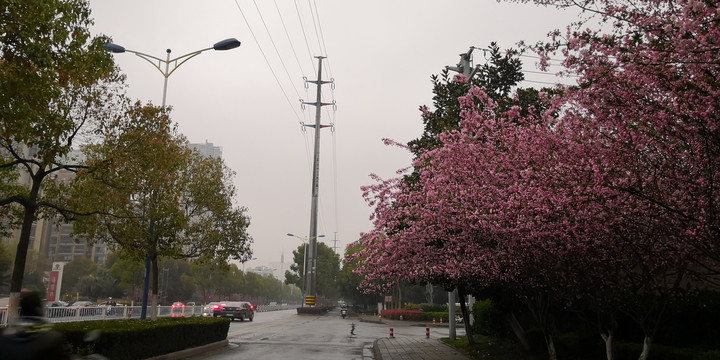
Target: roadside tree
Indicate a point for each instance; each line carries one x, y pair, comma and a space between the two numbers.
159, 198
57, 85
328, 264
75, 270
130, 274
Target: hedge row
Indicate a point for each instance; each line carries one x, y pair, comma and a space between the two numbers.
148, 338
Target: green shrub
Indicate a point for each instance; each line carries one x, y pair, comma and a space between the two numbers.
626, 350
433, 307
578, 345
411, 306
437, 315
489, 320
148, 338
708, 355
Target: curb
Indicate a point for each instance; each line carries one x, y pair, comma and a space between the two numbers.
371, 320
376, 350
183, 354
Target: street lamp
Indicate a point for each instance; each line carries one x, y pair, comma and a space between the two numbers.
226, 44
305, 264
156, 62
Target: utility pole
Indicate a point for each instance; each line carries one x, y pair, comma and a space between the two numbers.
466, 68
311, 261
465, 65
335, 240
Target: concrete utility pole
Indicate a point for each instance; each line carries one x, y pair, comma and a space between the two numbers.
311, 262
466, 68
465, 65
335, 240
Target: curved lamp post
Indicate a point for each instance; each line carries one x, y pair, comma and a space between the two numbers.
157, 62
305, 265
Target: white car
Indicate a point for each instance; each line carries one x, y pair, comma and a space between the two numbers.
207, 310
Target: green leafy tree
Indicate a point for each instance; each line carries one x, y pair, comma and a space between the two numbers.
36, 268
499, 75
160, 198
203, 278
6, 260
131, 274
57, 84
231, 283
328, 269
294, 276
77, 269
174, 289
349, 281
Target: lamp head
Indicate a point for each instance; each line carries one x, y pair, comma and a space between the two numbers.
227, 44
114, 48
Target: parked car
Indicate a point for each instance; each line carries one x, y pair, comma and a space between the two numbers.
177, 309
236, 310
55, 309
210, 307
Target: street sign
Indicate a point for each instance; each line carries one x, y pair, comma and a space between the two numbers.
310, 300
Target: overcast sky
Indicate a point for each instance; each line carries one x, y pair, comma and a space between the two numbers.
381, 54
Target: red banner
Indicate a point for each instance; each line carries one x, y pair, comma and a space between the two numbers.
52, 285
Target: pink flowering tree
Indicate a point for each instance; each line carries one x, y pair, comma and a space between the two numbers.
649, 89
609, 197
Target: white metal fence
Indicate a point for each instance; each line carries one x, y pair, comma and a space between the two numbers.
69, 314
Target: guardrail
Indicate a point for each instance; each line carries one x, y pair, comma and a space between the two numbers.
70, 314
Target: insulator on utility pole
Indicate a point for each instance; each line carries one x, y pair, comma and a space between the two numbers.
465, 65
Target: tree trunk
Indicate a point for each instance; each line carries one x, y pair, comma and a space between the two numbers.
552, 354
517, 330
609, 346
16, 281
540, 308
648, 316
607, 322
466, 315
646, 348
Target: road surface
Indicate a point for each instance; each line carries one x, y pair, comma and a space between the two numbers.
286, 335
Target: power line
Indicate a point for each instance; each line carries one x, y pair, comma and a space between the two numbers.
267, 62
322, 36
315, 27
302, 71
307, 43
276, 49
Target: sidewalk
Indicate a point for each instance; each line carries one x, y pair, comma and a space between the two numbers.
412, 348
415, 349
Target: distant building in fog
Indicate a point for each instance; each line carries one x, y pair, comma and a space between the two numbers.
208, 149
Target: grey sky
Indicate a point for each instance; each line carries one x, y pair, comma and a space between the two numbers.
381, 54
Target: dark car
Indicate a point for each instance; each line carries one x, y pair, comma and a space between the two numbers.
236, 310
